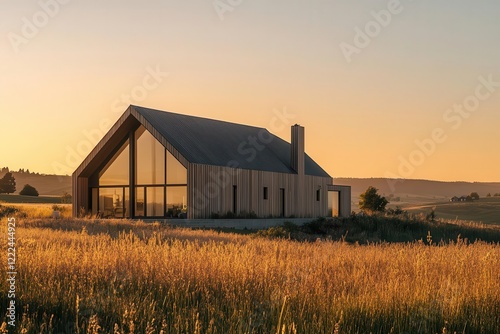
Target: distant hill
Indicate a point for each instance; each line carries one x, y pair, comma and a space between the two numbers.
406, 193
486, 210
47, 185
423, 188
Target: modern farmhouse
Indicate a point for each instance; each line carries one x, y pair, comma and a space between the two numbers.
156, 164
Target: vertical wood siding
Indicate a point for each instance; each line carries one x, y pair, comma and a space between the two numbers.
210, 190
80, 194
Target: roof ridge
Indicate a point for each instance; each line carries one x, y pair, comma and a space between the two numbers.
214, 142
197, 117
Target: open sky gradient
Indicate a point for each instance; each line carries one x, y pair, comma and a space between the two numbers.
384, 88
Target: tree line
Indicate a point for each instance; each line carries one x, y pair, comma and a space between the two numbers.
20, 171
8, 186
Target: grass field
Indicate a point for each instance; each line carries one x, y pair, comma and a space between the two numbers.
41, 210
90, 276
485, 210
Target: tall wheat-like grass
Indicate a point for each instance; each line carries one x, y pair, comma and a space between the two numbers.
42, 210
136, 278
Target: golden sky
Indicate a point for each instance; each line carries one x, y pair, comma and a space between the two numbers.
384, 88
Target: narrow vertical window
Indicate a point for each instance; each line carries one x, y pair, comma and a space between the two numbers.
266, 193
235, 199
282, 202
318, 195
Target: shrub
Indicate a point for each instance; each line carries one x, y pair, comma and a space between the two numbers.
66, 198
232, 215
6, 211
396, 212
371, 201
431, 216
59, 208
28, 191
278, 232
407, 227
474, 196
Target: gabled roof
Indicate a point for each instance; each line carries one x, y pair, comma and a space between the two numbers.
211, 142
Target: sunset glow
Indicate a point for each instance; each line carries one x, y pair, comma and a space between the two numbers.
407, 89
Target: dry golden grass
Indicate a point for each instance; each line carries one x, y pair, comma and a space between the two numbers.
42, 210
126, 277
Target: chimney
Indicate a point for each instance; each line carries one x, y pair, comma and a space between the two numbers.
297, 149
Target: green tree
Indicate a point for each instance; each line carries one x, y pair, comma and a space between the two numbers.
7, 184
371, 201
474, 196
29, 191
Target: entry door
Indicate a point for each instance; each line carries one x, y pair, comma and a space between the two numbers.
333, 203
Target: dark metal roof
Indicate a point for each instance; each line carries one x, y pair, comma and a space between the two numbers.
211, 142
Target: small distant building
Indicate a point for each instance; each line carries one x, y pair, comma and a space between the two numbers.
156, 164
461, 199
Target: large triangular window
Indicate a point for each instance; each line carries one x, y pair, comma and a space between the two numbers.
116, 171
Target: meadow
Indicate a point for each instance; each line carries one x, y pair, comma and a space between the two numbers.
29, 199
485, 210
117, 276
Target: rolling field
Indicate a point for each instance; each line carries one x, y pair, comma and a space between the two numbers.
485, 210
47, 185
89, 276
29, 199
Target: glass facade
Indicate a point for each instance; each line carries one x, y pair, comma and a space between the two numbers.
176, 172
150, 158
176, 202
139, 202
160, 186
113, 202
154, 200
116, 171
112, 198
